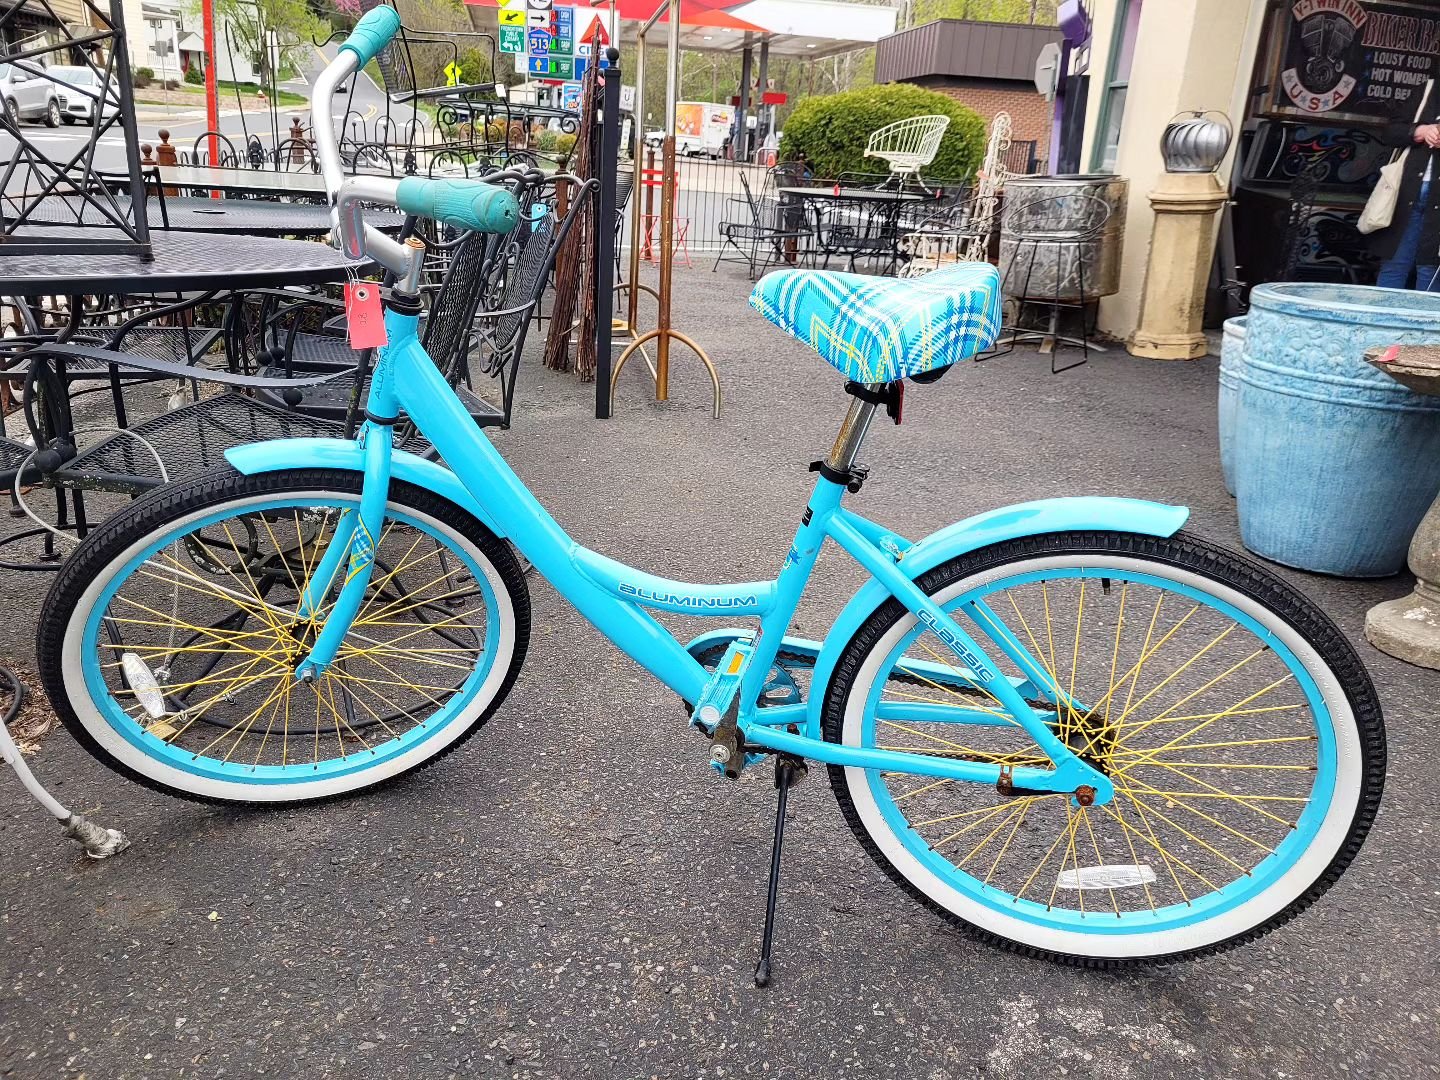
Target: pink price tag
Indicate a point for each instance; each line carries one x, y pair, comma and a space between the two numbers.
364, 315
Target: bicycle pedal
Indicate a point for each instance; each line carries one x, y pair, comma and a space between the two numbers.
720, 691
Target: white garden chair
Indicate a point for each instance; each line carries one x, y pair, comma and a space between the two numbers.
907, 146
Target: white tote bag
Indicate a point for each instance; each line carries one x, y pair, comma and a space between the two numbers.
1380, 207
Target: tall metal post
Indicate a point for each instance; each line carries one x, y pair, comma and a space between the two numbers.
742, 114
121, 61
604, 276
762, 80
212, 100
667, 204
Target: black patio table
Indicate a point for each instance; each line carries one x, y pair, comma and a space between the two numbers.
243, 216
882, 202
183, 262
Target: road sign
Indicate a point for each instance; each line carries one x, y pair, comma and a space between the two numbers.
627, 98
570, 96
452, 74
596, 32
538, 42
563, 30
512, 39
550, 67
512, 14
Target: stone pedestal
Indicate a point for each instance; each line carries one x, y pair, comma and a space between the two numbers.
1409, 628
1181, 246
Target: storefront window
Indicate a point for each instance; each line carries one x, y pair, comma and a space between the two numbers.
1117, 82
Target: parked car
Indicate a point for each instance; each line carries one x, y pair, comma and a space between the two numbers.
26, 94
90, 99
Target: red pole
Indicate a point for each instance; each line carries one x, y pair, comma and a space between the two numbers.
212, 101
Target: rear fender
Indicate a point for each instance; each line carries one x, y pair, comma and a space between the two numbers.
982, 530
281, 454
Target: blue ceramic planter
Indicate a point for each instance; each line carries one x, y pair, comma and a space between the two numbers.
1232, 357
1334, 462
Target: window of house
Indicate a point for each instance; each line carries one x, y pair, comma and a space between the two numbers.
1117, 83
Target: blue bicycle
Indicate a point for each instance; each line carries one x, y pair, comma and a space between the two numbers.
1066, 724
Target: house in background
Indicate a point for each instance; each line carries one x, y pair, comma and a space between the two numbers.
165, 36
989, 67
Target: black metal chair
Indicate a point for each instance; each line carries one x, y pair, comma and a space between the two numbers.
760, 224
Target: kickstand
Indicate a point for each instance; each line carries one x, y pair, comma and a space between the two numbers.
787, 772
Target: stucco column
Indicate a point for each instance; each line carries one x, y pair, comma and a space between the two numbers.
1172, 303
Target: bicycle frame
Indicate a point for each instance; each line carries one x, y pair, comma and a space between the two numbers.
617, 598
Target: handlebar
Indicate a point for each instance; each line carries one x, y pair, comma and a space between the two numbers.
465, 204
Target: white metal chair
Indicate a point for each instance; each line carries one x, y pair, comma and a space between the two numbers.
907, 146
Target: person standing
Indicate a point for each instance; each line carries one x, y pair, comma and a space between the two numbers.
1409, 249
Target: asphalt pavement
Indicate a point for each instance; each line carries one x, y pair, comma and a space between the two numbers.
574, 893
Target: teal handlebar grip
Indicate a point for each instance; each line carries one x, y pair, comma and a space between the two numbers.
372, 33
465, 204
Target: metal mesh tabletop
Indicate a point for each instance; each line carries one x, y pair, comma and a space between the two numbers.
246, 216
184, 261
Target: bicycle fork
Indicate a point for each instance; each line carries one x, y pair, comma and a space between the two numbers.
358, 532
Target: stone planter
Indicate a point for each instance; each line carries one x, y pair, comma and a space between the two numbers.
1334, 462
1232, 357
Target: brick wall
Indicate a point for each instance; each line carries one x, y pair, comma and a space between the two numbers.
1030, 113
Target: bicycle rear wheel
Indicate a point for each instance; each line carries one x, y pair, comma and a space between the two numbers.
169, 641
1241, 733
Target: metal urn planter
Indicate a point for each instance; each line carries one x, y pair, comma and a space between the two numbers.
1062, 236
1334, 462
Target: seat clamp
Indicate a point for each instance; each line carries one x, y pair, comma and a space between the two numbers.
892, 396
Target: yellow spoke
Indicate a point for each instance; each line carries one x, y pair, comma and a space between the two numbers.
221, 637
1244, 800
1012, 812
1115, 656
1237, 712
1119, 753
1152, 764
1188, 835
1041, 865
373, 714
1287, 677
953, 692
1099, 859
254, 588
232, 728
1161, 716
990, 815
1147, 790
1145, 654
1006, 845
369, 689
1072, 820
1171, 860
1135, 856
957, 816
1177, 672
197, 712
283, 699
1075, 654
405, 684
1039, 655
1053, 666
921, 790
1227, 796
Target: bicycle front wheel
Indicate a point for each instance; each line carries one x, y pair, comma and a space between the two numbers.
170, 639
1238, 727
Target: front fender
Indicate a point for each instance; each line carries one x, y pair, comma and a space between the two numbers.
280, 454
982, 530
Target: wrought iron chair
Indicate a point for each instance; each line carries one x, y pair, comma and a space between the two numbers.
908, 145
760, 223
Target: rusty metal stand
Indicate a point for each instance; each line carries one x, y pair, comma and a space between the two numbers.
664, 333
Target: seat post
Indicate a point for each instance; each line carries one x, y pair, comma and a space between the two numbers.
852, 432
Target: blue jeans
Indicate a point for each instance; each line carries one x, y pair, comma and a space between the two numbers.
1395, 271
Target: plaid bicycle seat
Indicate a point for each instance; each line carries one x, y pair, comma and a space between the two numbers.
878, 330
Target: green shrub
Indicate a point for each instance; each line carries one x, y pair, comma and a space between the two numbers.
564, 145
143, 76
831, 132
194, 76
549, 141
